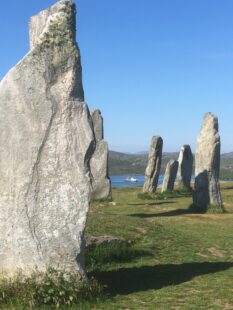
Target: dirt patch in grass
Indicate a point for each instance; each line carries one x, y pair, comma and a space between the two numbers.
142, 230
209, 217
216, 252
202, 255
222, 304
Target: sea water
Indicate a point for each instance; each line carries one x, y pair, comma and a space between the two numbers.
120, 180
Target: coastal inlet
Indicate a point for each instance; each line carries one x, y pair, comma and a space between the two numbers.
124, 180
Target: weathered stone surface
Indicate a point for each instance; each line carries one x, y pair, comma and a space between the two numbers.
154, 165
101, 184
185, 167
46, 140
98, 124
170, 175
207, 160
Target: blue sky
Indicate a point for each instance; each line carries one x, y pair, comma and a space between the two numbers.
151, 66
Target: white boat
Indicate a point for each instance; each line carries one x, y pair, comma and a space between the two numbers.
131, 179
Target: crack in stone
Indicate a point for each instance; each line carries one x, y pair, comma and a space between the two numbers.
34, 185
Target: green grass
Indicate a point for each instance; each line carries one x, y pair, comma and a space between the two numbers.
177, 259
51, 289
165, 195
107, 254
188, 261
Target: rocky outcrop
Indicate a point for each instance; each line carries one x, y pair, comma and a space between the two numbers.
207, 160
101, 184
154, 165
185, 167
46, 141
170, 176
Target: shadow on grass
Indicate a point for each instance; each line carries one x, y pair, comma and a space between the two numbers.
162, 214
130, 280
115, 252
165, 195
191, 210
227, 188
151, 203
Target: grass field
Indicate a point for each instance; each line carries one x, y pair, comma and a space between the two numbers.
176, 259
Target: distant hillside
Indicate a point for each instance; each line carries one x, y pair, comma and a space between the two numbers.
227, 166
227, 155
121, 163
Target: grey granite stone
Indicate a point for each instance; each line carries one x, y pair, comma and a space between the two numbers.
170, 175
154, 165
185, 167
207, 161
46, 142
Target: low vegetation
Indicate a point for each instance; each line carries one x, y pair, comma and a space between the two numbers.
175, 259
52, 289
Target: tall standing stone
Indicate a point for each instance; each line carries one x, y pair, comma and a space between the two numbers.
154, 165
170, 175
46, 141
101, 184
185, 167
207, 160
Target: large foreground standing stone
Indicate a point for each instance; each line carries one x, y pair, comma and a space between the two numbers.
101, 184
170, 175
46, 141
154, 165
207, 189
185, 167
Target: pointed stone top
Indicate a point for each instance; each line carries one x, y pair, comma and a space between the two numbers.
211, 121
51, 24
96, 111
186, 146
209, 133
53, 37
210, 115
156, 140
208, 145
98, 124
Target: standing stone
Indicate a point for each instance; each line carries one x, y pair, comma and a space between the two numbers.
46, 141
185, 167
154, 165
98, 124
101, 184
170, 175
207, 188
